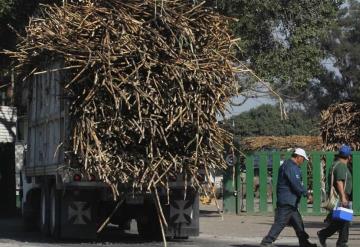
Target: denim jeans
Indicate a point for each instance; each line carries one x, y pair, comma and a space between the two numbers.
287, 215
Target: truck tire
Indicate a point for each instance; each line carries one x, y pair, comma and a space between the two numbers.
30, 211
54, 219
149, 227
125, 225
28, 224
44, 211
142, 227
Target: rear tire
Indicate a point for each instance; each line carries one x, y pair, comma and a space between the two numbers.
149, 226
44, 211
30, 211
143, 229
54, 219
29, 222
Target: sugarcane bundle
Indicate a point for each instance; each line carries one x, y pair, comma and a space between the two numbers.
340, 124
147, 81
258, 143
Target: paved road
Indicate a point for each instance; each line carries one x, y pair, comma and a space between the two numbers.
230, 231
12, 235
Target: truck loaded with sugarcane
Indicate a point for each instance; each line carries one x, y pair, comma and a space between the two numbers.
122, 100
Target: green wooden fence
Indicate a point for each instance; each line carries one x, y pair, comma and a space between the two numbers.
250, 186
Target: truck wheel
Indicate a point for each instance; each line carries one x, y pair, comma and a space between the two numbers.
143, 230
44, 212
149, 227
125, 225
54, 219
28, 223
30, 212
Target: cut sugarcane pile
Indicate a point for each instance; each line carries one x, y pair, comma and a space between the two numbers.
259, 143
340, 124
146, 82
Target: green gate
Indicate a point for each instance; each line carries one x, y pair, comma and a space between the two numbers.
250, 185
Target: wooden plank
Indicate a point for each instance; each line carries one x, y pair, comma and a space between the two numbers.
263, 179
275, 173
249, 184
238, 196
316, 183
229, 200
356, 184
329, 161
303, 202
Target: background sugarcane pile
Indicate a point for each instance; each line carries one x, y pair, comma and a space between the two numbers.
259, 143
146, 81
340, 124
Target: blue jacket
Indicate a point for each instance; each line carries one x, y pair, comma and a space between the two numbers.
290, 187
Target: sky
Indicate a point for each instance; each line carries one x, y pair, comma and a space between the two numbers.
249, 104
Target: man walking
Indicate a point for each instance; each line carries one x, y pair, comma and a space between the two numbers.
343, 186
289, 191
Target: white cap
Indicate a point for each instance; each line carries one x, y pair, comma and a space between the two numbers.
301, 152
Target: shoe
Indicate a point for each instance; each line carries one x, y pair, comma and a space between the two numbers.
307, 244
322, 240
263, 244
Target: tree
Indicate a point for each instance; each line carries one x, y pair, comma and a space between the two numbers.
281, 39
343, 47
15, 14
5, 7
265, 120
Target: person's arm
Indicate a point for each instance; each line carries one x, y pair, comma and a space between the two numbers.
295, 181
340, 177
340, 188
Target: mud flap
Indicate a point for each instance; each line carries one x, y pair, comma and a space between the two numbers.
79, 214
183, 215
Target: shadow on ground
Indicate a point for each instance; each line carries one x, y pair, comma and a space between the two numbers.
317, 224
209, 213
12, 229
256, 245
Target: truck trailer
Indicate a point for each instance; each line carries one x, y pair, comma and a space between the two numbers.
63, 202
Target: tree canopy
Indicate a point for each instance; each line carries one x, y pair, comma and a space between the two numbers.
265, 120
281, 39
343, 47
14, 14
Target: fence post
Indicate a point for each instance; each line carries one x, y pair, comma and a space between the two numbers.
238, 186
356, 185
275, 172
229, 200
316, 183
329, 161
249, 184
263, 179
303, 202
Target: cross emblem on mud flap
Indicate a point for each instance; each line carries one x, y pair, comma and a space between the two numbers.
79, 213
181, 211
